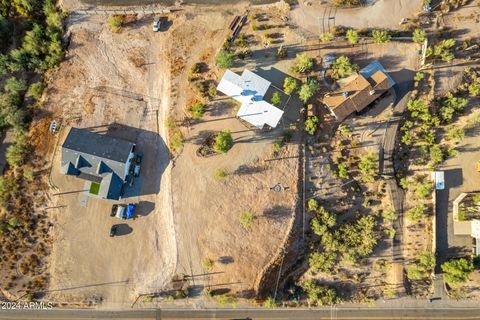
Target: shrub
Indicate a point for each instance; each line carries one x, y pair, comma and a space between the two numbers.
223, 142
322, 262
416, 213
368, 166
35, 90
225, 300
290, 85
389, 215
312, 205
303, 63
311, 125
269, 303
208, 263
115, 23
474, 89
28, 174
352, 36
221, 174
197, 110
196, 68
343, 170
451, 105
342, 67
457, 271
348, 3
320, 294
414, 272
246, 220
444, 50
436, 154
419, 35
326, 37
308, 90
17, 152
177, 140
276, 99
13, 85
277, 146
423, 190
456, 133
381, 36
225, 59
419, 76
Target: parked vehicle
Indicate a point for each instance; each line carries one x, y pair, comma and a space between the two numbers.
156, 24
138, 161
121, 211
114, 210
113, 230
130, 210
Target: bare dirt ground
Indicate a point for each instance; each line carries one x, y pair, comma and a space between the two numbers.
117, 79
386, 14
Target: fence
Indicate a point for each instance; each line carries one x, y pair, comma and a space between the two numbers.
136, 11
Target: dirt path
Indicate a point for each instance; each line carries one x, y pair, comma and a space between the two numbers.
382, 14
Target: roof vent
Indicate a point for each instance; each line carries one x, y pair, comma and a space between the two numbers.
372, 92
346, 94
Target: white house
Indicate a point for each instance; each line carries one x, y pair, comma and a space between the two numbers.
249, 89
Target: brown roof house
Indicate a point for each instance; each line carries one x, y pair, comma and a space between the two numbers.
358, 91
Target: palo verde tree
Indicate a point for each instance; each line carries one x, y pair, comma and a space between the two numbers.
343, 67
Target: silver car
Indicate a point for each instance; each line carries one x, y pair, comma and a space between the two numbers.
156, 24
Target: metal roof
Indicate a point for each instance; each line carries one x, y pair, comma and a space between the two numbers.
249, 89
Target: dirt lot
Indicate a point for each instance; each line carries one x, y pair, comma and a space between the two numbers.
115, 83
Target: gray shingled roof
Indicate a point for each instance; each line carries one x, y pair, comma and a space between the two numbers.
98, 158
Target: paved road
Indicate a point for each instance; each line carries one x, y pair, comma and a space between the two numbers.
292, 313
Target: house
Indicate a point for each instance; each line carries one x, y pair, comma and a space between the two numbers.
249, 89
358, 91
102, 160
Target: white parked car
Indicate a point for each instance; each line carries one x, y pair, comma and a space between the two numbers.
156, 24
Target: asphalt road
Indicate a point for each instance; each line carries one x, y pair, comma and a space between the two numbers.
293, 313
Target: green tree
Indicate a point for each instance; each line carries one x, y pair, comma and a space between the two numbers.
352, 36
423, 190
35, 90
225, 59
389, 214
303, 63
326, 37
419, 35
444, 50
451, 105
343, 67
322, 262
368, 167
312, 205
436, 154
197, 110
381, 36
177, 139
308, 90
276, 99
290, 85
415, 272
343, 170
17, 152
427, 260
223, 142
25, 7
320, 294
474, 89
457, 271
417, 213
311, 125
456, 133
13, 85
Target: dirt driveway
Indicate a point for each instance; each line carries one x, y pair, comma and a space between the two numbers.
113, 82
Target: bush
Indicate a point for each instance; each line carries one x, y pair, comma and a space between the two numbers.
225, 300
225, 59
320, 294
208, 263
436, 154
457, 271
456, 133
115, 23
414, 272
352, 36
221, 174
419, 35
197, 110
423, 190
348, 3
303, 63
326, 37
416, 213
389, 215
28, 174
276, 99
322, 262
342, 67
223, 142
177, 140
419, 76
311, 125
269, 303
474, 89
14, 86
35, 90
381, 36
444, 50
451, 105
290, 85
368, 167
246, 220
196, 68
308, 90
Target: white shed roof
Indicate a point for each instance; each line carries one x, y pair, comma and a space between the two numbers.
249, 89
